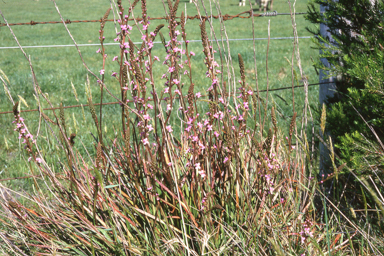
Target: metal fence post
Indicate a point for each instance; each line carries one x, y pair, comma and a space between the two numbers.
327, 89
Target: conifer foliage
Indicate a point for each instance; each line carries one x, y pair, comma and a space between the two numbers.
355, 117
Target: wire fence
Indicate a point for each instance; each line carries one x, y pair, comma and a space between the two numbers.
156, 42
150, 99
224, 17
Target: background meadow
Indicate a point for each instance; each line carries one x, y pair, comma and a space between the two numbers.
57, 68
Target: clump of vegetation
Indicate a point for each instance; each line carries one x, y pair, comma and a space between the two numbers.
187, 174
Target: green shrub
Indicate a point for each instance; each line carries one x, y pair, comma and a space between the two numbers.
357, 60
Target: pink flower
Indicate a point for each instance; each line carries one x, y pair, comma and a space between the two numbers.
39, 160
145, 141
149, 127
171, 69
169, 128
169, 107
225, 159
176, 81
146, 117
149, 106
114, 74
98, 51
102, 72
192, 53
115, 58
156, 58
198, 95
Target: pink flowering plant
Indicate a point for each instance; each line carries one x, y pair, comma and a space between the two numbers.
190, 172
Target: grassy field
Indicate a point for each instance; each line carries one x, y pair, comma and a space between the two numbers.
57, 68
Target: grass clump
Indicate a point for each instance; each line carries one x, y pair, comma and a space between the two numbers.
185, 174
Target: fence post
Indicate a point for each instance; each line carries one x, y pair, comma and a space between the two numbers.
325, 90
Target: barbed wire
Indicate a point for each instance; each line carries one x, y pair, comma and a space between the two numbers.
225, 17
114, 103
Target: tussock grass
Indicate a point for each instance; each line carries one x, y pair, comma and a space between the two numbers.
168, 172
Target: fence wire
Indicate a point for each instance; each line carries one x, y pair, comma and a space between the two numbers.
157, 42
114, 103
224, 17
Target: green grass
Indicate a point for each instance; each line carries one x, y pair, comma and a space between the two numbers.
57, 68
